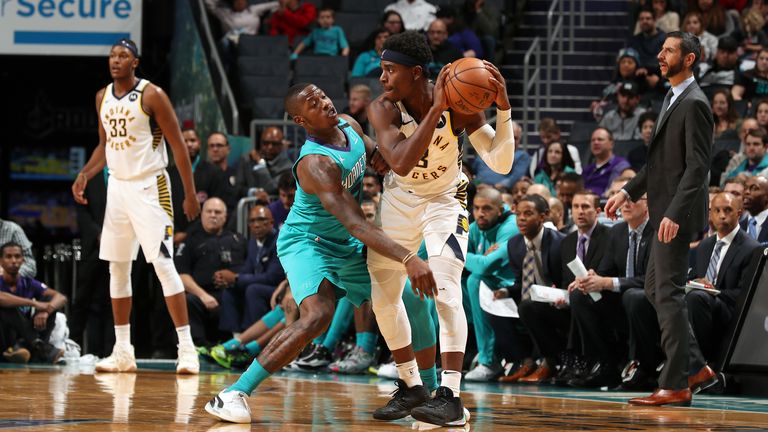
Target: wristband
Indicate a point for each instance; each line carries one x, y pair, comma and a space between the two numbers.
408, 257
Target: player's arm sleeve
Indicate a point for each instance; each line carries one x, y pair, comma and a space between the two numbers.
496, 148
519, 168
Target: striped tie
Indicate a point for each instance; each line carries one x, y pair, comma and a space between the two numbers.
712, 268
631, 255
529, 271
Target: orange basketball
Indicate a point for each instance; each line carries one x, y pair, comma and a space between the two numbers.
468, 86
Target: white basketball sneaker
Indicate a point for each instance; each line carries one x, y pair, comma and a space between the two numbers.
187, 362
230, 406
122, 359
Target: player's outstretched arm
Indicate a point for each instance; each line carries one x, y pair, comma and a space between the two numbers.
96, 162
401, 153
319, 176
157, 104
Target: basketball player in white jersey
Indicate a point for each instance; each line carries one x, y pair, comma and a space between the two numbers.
134, 118
425, 198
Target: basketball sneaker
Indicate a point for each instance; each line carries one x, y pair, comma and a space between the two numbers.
443, 410
187, 362
229, 359
319, 358
356, 362
230, 406
387, 370
404, 399
482, 372
121, 360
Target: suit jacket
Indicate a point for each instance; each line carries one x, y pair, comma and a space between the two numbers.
732, 276
262, 265
90, 217
550, 260
614, 263
762, 238
675, 176
592, 257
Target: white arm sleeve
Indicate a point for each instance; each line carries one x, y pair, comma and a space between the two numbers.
496, 148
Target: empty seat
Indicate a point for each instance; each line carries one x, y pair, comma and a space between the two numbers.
333, 87
264, 66
260, 45
257, 86
369, 6
268, 108
357, 26
623, 148
331, 66
373, 83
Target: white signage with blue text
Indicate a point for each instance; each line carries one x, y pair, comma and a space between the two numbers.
67, 27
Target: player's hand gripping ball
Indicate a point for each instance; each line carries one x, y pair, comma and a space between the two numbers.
468, 87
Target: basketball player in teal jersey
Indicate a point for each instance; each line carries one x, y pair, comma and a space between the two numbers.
424, 199
135, 119
321, 243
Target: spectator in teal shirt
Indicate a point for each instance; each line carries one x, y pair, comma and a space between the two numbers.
327, 39
368, 63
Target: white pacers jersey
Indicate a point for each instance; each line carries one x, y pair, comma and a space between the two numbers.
439, 170
135, 146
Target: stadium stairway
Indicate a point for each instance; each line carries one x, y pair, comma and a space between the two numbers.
586, 70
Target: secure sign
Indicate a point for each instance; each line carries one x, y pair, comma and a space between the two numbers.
67, 27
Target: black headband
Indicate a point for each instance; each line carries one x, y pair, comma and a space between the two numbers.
125, 43
400, 58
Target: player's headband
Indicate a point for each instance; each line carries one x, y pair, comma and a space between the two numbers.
400, 58
129, 44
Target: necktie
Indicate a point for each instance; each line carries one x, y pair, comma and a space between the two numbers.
529, 271
580, 248
712, 268
752, 228
665, 105
631, 255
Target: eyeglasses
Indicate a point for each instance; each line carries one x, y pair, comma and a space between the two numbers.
217, 145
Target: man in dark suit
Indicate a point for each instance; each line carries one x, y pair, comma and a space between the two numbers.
722, 261
675, 179
535, 258
756, 202
602, 324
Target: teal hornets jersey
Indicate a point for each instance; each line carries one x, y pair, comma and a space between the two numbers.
307, 213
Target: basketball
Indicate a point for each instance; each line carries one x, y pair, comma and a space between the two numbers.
468, 86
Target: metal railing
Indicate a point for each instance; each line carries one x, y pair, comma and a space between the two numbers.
219, 75
555, 34
531, 80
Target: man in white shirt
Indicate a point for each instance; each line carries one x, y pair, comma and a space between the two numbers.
417, 14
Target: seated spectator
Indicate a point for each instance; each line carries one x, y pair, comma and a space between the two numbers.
756, 203
442, 51
485, 175
259, 170
368, 63
218, 154
715, 20
292, 18
721, 169
607, 166
692, 23
622, 120
372, 186
390, 21
566, 186
637, 157
753, 83
666, 20
549, 131
24, 334
246, 293
12, 232
198, 259
238, 17
416, 14
518, 191
756, 152
460, 36
750, 36
627, 65
485, 20
557, 161
327, 39
727, 121
647, 43
721, 261
487, 263
557, 215
209, 180
286, 187
761, 114
721, 70
535, 258
359, 99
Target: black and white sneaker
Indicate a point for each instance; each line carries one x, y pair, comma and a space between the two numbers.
404, 399
319, 358
443, 410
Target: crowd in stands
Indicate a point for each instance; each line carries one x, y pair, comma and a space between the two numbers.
527, 226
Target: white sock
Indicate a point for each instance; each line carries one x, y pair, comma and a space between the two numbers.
409, 372
123, 334
185, 336
452, 380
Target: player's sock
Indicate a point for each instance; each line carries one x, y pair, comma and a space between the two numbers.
367, 341
408, 372
342, 319
271, 318
319, 340
452, 380
253, 348
429, 378
250, 379
185, 336
232, 344
123, 334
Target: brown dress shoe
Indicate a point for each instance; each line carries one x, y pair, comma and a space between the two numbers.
522, 371
665, 397
704, 379
540, 375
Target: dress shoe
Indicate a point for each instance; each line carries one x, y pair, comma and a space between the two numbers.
521, 372
541, 374
601, 375
665, 397
704, 379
